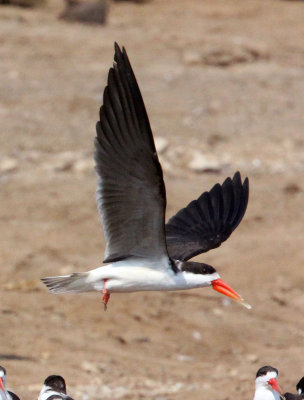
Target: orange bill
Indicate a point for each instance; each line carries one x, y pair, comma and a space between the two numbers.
222, 287
274, 384
2, 386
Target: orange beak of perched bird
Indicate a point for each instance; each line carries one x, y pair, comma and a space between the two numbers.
274, 384
2, 386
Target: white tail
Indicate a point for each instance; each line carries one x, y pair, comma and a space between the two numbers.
68, 283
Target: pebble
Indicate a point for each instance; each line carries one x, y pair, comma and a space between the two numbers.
197, 335
192, 57
252, 358
8, 164
67, 269
233, 372
88, 366
184, 358
64, 161
161, 144
84, 165
202, 163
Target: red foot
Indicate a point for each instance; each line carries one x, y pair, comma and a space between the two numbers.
106, 296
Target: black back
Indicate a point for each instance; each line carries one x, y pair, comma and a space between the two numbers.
297, 396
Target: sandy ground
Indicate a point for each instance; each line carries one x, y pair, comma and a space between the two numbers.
223, 78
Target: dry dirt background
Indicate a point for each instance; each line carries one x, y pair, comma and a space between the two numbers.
221, 79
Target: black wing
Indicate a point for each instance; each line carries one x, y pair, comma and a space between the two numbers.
208, 221
13, 396
131, 190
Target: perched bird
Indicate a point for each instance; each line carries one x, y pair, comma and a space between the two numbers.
54, 389
266, 384
4, 393
300, 390
142, 252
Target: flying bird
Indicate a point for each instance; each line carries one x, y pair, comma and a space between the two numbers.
300, 390
4, 393
142, 252
54, 388
266, 384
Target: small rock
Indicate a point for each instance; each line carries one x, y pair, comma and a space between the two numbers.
166, 166
45, 355
184, 358
8, 164
67, 270
143, 339
89, 12
226, 302
197, 335
202, 163
192, 57
84, 165
120, 339
161, 144
252, 358
278, 167
64, 161
292, 188
233, 53
256, 162
198, 111
218, 312
89, 367
26, 285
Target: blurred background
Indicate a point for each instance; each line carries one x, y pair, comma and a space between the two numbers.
223, 82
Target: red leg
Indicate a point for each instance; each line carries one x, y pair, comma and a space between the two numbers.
106, 296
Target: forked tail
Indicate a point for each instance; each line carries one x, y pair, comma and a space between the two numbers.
77, 282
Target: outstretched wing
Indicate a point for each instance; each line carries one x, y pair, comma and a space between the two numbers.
131, 190
208, 221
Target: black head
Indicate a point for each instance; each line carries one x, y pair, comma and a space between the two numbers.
197, 268
264, 370
300, 385
56, 382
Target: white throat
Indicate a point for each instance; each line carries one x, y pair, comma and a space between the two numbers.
4, 395
46, 392
263, 392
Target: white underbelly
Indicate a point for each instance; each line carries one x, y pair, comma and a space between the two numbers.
137, 279
142, 275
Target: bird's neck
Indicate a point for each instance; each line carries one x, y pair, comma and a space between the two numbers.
263, 393
46, 392
5, 395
